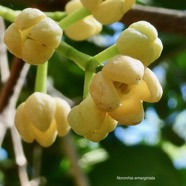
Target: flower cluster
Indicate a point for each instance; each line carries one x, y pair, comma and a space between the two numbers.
33, 36
122, 85
100, 14
116, 92
41, 117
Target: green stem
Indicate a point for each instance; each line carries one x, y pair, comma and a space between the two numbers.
106, 54
57, 15
88, 78
73, 54
73, 17
41, 78
8, 13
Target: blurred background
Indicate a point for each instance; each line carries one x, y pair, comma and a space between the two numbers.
155, 148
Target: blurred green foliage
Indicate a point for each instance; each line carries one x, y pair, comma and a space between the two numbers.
140, 159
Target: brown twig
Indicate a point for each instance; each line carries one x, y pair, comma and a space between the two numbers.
80, 178
7, 90
165, 20
4, 68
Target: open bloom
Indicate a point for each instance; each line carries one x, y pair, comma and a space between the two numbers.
108, 11
87, 120
123, 69
131, 111
122, 86
140, 40
41, 118
84, 28
33, 37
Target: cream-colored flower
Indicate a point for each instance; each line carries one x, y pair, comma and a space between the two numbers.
83, 29
33, 36
41, 118
121, 87
87, 120
140, 40
111, 11
131, 112
122, 69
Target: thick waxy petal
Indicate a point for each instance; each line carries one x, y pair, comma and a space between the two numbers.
23, 125
76, 121
104, 93
47, 32
153, 85
91, 4
130, 113
145, 28
46, 138
108, 125
62, 111
124, 69
86, 120
35, 53
13, 40
40, 109
28, 18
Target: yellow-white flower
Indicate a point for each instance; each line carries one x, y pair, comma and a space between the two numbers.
41, 117
140, 40
108, 11
83, 29
33, 36
121, 87
123, 69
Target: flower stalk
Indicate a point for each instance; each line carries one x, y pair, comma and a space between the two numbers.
74, 17
41, 78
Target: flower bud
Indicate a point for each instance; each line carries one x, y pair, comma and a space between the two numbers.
33, 37
41, 118
83, 29
111, 11
94, 124
28, 132
124, 69
140, 41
